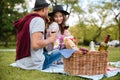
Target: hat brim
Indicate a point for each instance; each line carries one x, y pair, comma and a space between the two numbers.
64, 12
44, 5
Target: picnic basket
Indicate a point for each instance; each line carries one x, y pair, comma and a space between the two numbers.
92, 63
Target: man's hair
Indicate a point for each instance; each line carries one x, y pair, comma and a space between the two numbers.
39, 9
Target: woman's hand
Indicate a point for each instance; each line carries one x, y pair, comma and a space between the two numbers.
53, 36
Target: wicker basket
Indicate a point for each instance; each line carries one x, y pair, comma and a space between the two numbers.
92, 63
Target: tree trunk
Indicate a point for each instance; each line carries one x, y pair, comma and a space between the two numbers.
98, 32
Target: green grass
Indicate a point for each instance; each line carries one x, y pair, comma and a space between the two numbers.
9, 47
10, 73
114, 54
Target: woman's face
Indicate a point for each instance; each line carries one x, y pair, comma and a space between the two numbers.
58, 17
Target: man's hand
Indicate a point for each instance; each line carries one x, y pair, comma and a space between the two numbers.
53, 36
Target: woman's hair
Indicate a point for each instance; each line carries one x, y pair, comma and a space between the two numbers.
61, 26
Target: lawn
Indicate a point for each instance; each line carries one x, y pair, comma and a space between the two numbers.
10, 73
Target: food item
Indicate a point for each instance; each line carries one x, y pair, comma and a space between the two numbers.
69, 44
84, 50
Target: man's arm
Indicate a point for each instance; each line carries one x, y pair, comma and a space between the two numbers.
37, 41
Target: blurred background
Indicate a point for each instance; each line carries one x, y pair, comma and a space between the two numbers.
89, 20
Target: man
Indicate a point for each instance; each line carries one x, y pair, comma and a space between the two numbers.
30, 53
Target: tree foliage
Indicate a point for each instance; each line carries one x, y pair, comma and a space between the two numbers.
97, 22
94, 22
9, 12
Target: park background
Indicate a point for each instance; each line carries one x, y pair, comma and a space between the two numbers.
89, 20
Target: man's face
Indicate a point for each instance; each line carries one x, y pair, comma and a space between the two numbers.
46, 9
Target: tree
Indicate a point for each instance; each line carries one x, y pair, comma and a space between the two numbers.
115, 8
9, 12
97, 16
69, 4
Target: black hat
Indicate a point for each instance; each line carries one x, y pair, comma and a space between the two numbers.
39, 4
58, 8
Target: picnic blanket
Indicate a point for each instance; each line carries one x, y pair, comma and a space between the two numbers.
110, 71
60, 69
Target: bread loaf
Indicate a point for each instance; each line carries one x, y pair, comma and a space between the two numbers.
69, 44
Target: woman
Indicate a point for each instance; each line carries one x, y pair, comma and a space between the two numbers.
58, 19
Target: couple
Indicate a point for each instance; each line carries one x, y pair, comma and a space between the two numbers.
30, 52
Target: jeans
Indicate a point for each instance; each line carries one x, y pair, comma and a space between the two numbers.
51, 58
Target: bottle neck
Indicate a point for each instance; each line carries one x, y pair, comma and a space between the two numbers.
107, 38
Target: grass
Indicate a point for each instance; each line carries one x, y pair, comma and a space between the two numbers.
10, 47
10, 73
114, 54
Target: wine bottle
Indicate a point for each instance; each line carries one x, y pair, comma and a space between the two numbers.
104, 45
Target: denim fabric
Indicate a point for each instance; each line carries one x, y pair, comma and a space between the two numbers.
50, 58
